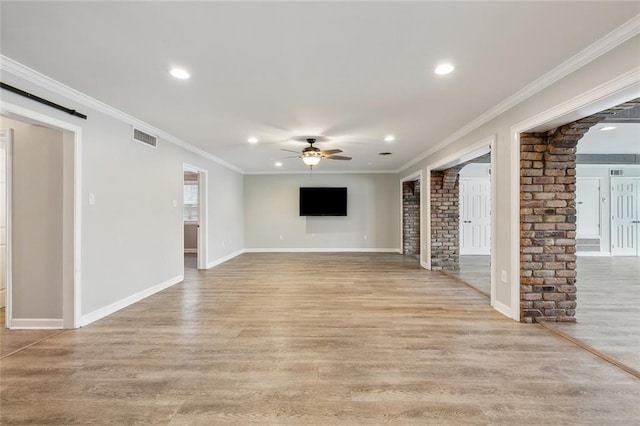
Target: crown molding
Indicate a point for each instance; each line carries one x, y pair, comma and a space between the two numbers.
22, 71
327, 172
615, 38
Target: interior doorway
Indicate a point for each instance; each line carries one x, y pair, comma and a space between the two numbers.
39, 214
194, 215
460, 219
411, 215
475, 225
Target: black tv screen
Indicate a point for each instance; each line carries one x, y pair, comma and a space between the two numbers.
323, 201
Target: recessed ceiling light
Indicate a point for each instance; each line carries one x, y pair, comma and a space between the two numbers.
444, 68
389, 138
180, 73
607, 128
278, 164
369, 164
252, 139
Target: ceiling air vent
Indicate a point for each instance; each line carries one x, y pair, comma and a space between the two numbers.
616, 172
145, 138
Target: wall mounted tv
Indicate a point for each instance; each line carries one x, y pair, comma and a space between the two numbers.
323, 201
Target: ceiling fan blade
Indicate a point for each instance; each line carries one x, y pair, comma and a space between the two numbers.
285, 158
337, 157
288, 150
331, 151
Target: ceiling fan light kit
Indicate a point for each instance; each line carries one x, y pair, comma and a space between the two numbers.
311, 160
311, 155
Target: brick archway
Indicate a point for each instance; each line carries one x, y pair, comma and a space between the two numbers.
445, 216
548, 219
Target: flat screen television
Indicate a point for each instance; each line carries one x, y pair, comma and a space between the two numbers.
323, 201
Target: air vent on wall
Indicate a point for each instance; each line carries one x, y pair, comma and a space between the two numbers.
145, 138
616, 172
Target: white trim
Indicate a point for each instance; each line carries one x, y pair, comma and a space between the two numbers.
3, 297
16, 68
127, 301
502, 308
618, 90
323, 172
36, 324
190, 250
8, 235
593, 254
615, 38
494, 225
224, 259
11, 111
203, 213
416, 176
323, 250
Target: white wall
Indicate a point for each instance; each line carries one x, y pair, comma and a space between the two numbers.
614, 64
272, 218
132, 238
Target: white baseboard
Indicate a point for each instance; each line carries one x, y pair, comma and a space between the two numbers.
116, 306
3, 297
323, 250
224, 259
593, 254
503, 309
36, 323
195, 250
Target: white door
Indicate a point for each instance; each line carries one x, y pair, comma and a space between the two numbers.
588, 207
625, 221
475, 216
5, 146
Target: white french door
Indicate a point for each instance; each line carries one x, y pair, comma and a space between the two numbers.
625, 216
475, 216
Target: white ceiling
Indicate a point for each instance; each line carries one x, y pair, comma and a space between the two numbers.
624, 139
351, 71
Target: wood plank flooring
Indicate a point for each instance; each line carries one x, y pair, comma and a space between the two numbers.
313, 339
608, 314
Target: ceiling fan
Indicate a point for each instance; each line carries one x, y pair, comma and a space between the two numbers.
311, 155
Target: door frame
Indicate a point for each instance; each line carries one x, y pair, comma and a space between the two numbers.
72, 237
7, 214
472, 151
413, 177
203, 218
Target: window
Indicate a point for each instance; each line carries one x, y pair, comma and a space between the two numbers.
190, 202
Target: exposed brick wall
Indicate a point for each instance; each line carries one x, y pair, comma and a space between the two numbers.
445, 215
548, 219
411, 217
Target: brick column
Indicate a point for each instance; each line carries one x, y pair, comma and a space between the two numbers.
548, 218
445, 216
411, 217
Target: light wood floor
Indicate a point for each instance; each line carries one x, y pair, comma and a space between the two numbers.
608, 314
476, 271
313, 339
